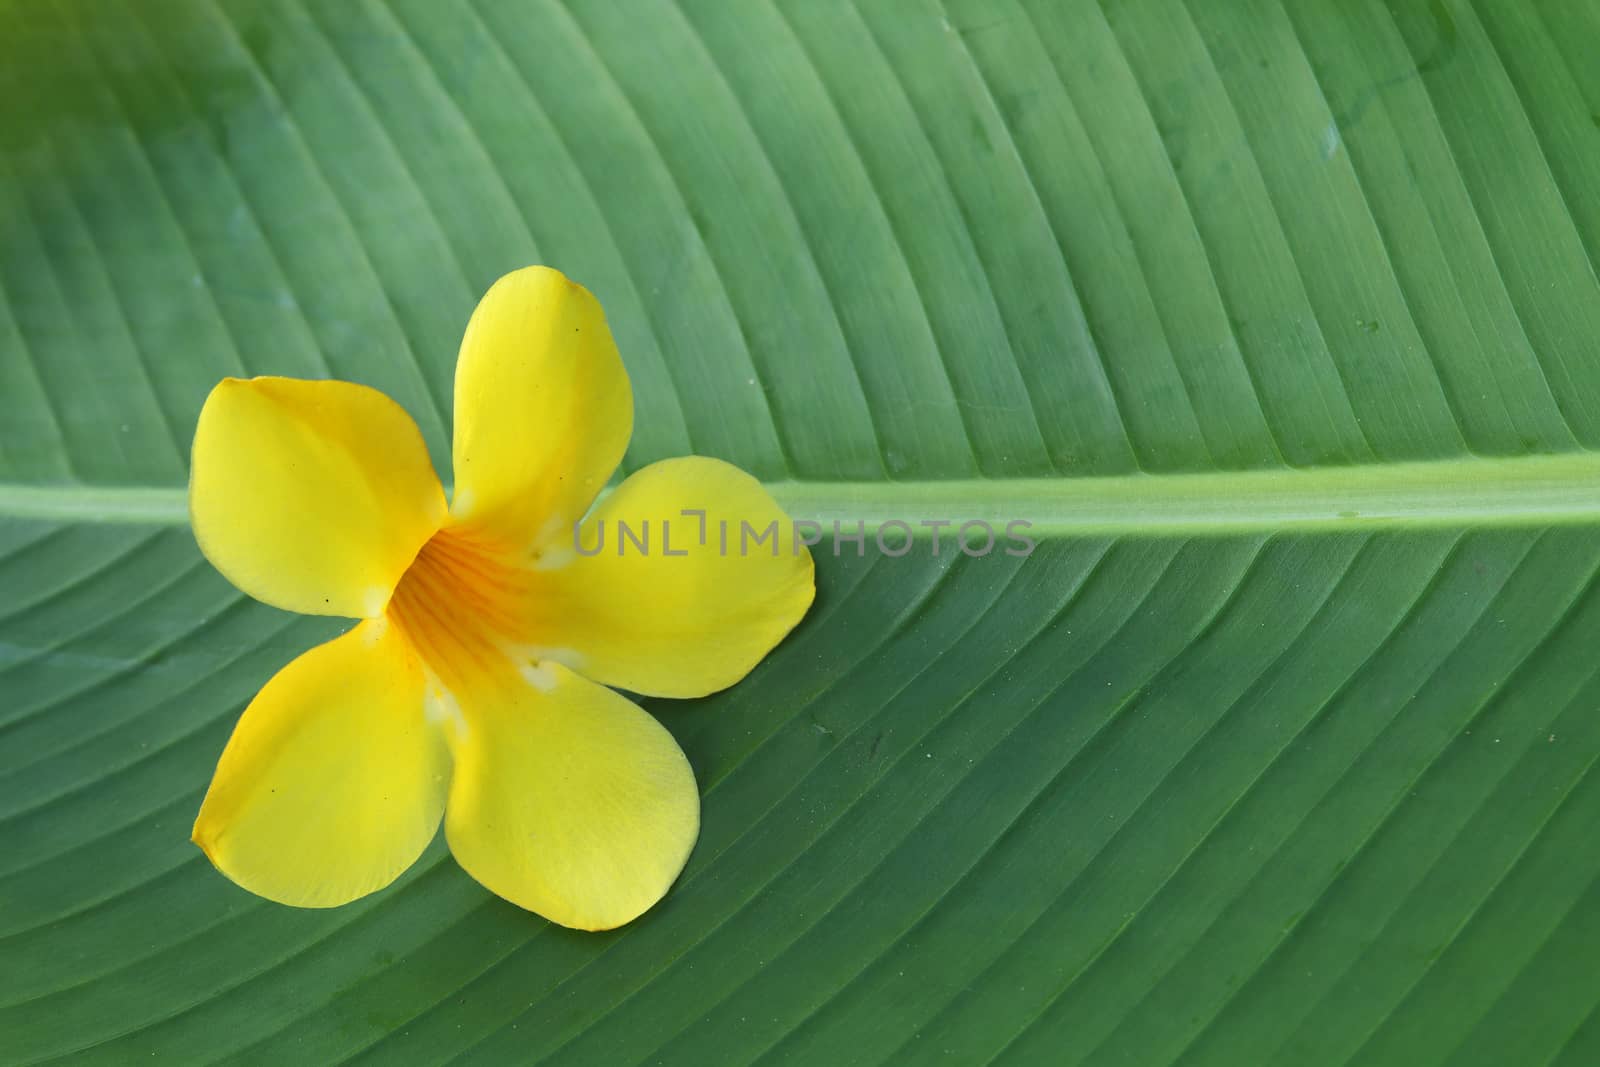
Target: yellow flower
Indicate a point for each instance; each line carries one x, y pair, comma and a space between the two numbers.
474, 688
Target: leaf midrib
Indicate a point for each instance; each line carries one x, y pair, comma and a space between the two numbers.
1524, 491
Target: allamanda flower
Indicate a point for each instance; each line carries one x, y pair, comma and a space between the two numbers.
474, 689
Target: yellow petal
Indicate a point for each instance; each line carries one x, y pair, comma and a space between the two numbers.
333, 782
694, 609
568, 799
543, 408
313, 496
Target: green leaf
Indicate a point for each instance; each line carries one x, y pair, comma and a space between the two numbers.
1280, 323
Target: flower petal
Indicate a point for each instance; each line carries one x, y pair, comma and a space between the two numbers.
543, 408
313, 496
568, 799
698, 607
333, 782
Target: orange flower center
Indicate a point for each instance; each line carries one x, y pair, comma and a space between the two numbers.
463, 603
